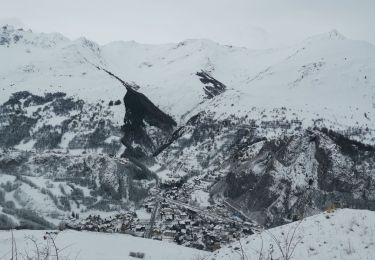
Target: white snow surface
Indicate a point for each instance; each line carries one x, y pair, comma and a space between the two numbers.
98, 246
326, 76
343, 234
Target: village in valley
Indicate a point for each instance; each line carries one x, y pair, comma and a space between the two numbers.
181, 213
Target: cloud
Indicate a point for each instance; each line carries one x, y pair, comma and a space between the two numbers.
15, 22
251, 23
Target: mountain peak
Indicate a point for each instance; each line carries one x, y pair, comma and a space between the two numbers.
335, 34
10, 34
331, 35
197, 42
12, 23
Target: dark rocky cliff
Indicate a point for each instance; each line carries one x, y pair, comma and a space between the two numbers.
146, 126
273, 180
295, 176
142, 114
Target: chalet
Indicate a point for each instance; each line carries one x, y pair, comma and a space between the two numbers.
247, 231
224, 236
217, 228
182, 224
140, 228
149, 205
169, 217
170, 233
196, 229
192, 213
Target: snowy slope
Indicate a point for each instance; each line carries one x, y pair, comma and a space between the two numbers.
50, 62
342, 234
97, 246
234, 117
326, 76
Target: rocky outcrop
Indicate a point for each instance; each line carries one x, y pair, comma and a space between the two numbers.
146, 126
293, 177
141, 115
212, 87
274, 180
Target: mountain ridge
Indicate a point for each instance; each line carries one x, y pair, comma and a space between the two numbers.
178, 63
225, 134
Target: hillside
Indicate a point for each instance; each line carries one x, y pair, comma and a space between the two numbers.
99, 246
342, 234
304, 78
195, 142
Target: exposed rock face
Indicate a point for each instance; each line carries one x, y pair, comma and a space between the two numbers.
145, 127
296, 176
141, 113
274, 180
212, 87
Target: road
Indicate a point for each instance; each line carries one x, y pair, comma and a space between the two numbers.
237, 210
148, 232
194, 208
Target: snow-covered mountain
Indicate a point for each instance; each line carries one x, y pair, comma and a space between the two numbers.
267, 135
326, 76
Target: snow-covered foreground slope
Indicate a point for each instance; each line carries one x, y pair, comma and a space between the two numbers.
342, 234
97, 246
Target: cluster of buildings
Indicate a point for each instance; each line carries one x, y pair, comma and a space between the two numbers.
277, 124
118, 223
177, 219
172, 215
191, 227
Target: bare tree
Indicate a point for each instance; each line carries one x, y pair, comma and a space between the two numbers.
14, 252
35, 243
51, 236
43, 251
242, 252
288, 242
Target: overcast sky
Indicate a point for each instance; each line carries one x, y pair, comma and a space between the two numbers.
251, 23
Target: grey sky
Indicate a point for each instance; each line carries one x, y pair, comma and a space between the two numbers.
251, 23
